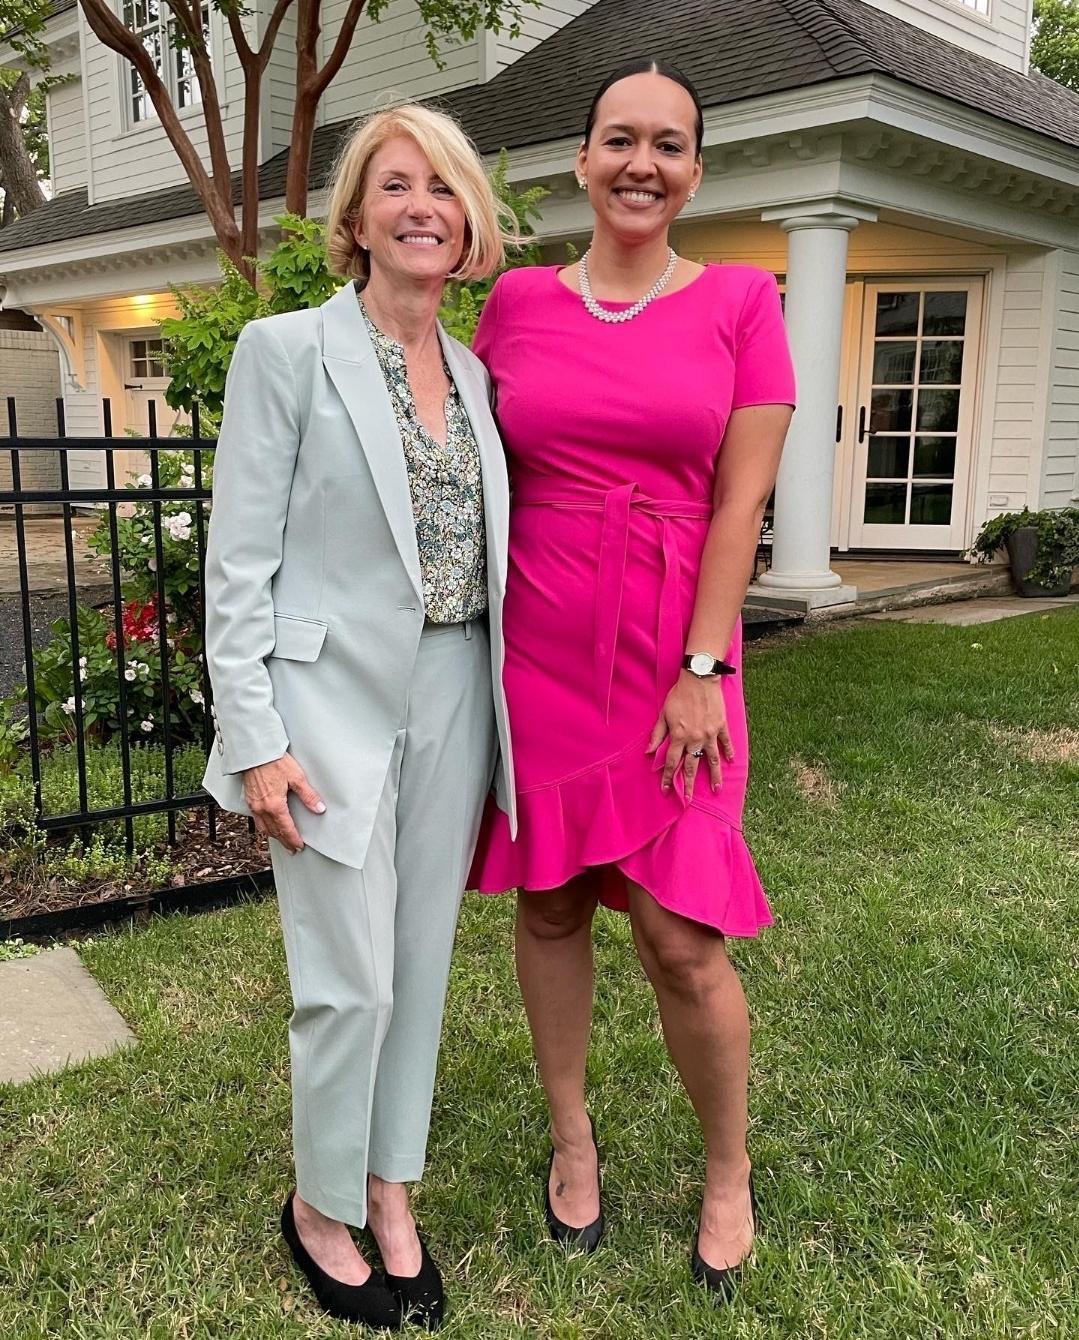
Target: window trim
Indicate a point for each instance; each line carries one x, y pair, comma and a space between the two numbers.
971, 7
126, 125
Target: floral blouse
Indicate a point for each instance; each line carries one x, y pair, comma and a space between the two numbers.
447, 493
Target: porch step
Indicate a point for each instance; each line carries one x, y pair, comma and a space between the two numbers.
760, 620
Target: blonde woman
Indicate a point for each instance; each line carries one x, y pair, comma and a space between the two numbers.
355, 571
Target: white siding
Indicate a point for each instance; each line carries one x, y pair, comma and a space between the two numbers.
1018, 414
1003, 36
1060, 480
538, 22
67, 133
122, 158
279, 87
388, 59
83, 415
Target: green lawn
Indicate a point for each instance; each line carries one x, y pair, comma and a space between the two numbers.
915, 812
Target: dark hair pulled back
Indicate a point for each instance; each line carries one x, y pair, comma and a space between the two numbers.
645, 66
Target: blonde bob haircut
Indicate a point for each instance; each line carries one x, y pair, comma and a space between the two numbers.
489, 224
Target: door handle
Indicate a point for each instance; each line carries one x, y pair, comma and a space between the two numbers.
861, 424
839, 424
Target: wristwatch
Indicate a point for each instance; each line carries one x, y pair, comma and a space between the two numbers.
704, 665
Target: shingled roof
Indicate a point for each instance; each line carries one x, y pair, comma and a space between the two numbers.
733, 51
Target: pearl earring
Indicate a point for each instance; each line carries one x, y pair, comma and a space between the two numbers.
582, 182
691, 197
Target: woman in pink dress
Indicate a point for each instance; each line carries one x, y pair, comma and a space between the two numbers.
643, 400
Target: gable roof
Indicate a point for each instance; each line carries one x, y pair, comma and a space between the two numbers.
733, 51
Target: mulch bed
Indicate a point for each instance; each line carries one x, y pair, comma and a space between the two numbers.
195, 860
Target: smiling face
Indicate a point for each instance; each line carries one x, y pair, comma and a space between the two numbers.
641, 159
411, 223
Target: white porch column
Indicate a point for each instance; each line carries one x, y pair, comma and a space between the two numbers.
818, 234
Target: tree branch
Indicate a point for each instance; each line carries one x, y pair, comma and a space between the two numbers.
215, 193
340, 48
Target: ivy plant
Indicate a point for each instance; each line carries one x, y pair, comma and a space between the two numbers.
1058, 541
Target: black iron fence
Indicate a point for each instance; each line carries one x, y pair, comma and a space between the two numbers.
148, 609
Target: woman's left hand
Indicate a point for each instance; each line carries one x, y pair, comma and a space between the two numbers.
694, 717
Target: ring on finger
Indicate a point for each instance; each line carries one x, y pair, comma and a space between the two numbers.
696, 753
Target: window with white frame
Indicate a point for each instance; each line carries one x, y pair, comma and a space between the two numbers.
981, 6
152, 22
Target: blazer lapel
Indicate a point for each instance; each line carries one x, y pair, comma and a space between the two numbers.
350, 362
496, 497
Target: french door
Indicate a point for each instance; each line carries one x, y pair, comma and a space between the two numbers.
914, 422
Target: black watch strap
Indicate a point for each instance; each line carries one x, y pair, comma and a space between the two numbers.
703, 664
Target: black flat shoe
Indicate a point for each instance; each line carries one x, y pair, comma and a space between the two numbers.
370, 1302
420, 1297
585, 1239
720, 1280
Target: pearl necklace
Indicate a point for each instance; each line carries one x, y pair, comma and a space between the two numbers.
601, 313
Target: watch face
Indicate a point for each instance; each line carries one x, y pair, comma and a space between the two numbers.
700, 663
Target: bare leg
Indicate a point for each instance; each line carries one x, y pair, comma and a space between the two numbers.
706, 1028
329, 1243
389, 1217
554, 968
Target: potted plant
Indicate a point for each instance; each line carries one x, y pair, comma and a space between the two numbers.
1043, 548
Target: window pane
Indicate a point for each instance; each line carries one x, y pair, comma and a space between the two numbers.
945, 313
942, 361
897, 313
893, 363
885, 504
157, 369
938, 411
931, 505
890, 412
934, 457
888, 458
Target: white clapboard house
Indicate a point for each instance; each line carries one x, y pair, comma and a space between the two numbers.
914, 185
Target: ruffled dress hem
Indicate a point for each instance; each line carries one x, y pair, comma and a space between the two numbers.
690, 857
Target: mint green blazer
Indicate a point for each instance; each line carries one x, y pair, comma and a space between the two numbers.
314, 604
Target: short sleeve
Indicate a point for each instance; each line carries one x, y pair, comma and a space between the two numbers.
763, 371
486, 332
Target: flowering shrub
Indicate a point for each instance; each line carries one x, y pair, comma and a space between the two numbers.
137, 550
96, 679
97, 676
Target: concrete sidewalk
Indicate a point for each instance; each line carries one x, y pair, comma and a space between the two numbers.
46, 560
967, 613
53, 1014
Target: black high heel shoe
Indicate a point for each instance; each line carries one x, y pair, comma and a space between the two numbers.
721, 1280
420, 1297
370, 1302
586, 1239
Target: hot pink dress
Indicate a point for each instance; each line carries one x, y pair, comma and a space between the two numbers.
612, 434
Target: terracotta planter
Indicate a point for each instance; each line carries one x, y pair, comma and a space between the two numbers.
1022, 545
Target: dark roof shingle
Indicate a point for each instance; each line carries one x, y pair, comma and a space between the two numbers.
731, 50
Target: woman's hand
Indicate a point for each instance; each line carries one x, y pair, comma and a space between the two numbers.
693, 717
266, 791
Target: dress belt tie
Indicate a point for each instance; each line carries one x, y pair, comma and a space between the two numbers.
616, 504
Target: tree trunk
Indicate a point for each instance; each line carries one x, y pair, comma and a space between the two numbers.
22, 189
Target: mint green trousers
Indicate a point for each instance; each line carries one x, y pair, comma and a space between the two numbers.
369, 950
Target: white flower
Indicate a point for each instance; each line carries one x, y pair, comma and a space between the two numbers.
146, 539
182, 519
146, 726
151, 563
197, 698
144, 482
82, 662
144, 669
129, 674
126, 509
69, 706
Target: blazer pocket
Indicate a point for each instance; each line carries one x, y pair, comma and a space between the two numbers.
296, 638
